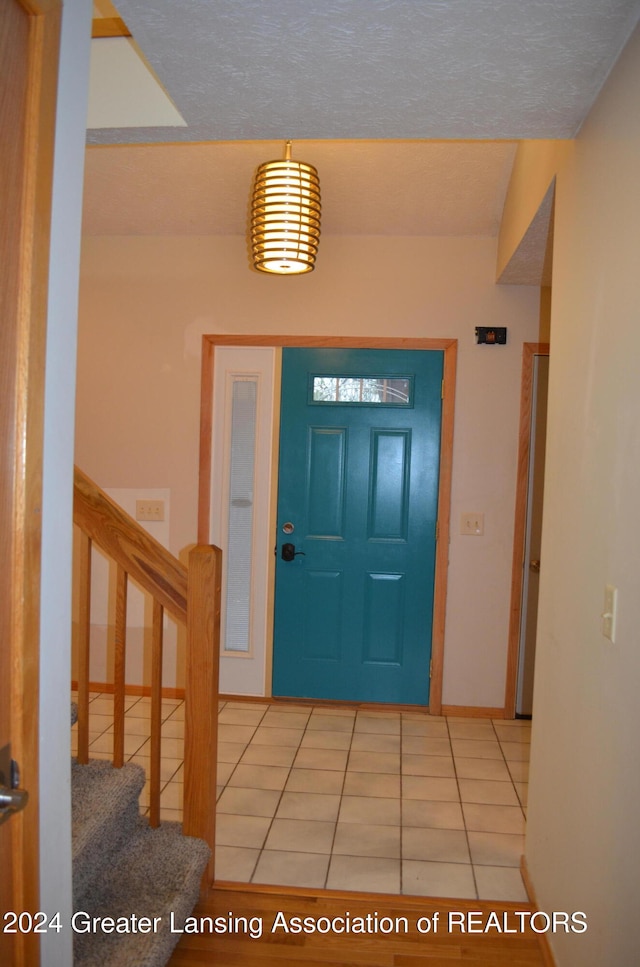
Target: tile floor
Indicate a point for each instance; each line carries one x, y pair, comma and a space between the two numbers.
392, 802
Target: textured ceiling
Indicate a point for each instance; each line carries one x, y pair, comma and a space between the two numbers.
316, 69
401, 104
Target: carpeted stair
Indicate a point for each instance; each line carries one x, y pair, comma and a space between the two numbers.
124, 869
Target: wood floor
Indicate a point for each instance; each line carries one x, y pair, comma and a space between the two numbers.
267, 910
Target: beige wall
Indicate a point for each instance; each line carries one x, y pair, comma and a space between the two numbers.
583, 840
145, 302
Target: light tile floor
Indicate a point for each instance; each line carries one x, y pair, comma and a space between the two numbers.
380, 801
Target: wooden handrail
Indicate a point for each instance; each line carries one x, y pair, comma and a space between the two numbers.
139, 554
192, 596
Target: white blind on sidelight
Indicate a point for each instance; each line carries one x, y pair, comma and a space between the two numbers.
240, 513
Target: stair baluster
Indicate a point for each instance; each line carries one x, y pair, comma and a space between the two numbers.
84, 631
156, 713
190, 595
119, 666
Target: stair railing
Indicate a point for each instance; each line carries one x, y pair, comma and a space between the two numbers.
191, 595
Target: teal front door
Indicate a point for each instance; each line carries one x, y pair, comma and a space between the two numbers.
356, 528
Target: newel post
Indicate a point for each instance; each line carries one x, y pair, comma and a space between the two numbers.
201, 697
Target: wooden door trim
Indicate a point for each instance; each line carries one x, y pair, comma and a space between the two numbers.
529, 351
449, 347
44, 42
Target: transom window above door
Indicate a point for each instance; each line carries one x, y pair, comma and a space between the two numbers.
362, 390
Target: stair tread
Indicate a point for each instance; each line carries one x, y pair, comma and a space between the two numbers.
156, 874
100, 791
105, 810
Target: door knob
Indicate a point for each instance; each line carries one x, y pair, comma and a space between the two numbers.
289, 552
11, 801
534, 566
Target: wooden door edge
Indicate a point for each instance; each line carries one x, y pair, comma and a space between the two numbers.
529, 351
45, 25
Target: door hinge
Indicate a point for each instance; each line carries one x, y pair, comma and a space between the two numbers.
442, 391
437, 530
431, 668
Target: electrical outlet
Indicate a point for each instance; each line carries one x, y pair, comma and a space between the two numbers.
472, 525
609, 613
149, 509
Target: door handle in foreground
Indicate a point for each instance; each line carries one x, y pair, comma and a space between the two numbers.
11, 801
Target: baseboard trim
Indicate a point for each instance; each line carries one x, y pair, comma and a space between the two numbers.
547, 955
473, 711
328, 702
462, 711
142, 690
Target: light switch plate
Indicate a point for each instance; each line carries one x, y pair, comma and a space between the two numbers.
149, 509
472, 524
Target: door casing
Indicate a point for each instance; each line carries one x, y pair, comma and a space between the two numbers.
529, 351
449, 348
531, 568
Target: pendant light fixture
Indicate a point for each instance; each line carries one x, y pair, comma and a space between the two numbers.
285, 216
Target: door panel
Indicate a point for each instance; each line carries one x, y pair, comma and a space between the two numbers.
389, 492
323, 592
358, 481
327, 482
384, 609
